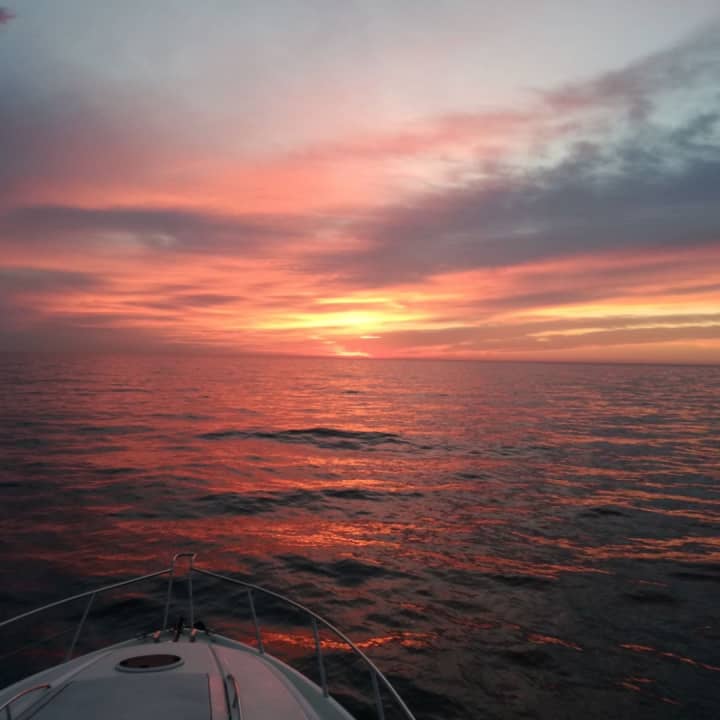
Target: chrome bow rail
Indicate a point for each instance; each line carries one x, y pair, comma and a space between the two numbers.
376, 676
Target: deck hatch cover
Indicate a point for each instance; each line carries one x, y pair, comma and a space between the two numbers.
149, 663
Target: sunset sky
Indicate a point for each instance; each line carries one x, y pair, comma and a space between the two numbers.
399, 178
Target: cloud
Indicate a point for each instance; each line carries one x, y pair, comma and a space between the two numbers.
58, 137
601, 198
38, 280
32, 331
26, 292
180, 303
632, 195
544, 335
162, 230
635, 89
651, 182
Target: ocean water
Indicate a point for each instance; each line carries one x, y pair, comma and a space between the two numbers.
504, 540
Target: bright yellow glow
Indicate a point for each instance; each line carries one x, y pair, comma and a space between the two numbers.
353, 300
363, 322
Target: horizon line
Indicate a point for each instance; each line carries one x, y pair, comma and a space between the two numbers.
302, 356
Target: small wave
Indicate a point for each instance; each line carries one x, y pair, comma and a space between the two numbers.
348, 571
323, 437
603, 512
531, 657
114, 471
363, 494
180, 416
651, 597
239, 504
522, 580
231, 503
112, 429
713, 575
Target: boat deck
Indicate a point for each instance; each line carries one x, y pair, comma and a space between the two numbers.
212, 678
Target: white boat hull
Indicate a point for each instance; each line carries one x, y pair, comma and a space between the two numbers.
216, 679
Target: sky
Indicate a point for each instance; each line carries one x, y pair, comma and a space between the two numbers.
410, 178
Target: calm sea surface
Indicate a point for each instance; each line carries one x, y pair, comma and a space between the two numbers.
506, 541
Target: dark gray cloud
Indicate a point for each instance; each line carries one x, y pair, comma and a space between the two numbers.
27, 330
157, 229
40, 281
636, 87
178, 304
29, 319
639, 180
53, 132
625, 197
208, 299
22, 289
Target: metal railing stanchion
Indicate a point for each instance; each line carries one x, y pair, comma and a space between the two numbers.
76, 637
261, 648
378, 698
321, 662
177, 557
169, 594
190, 593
